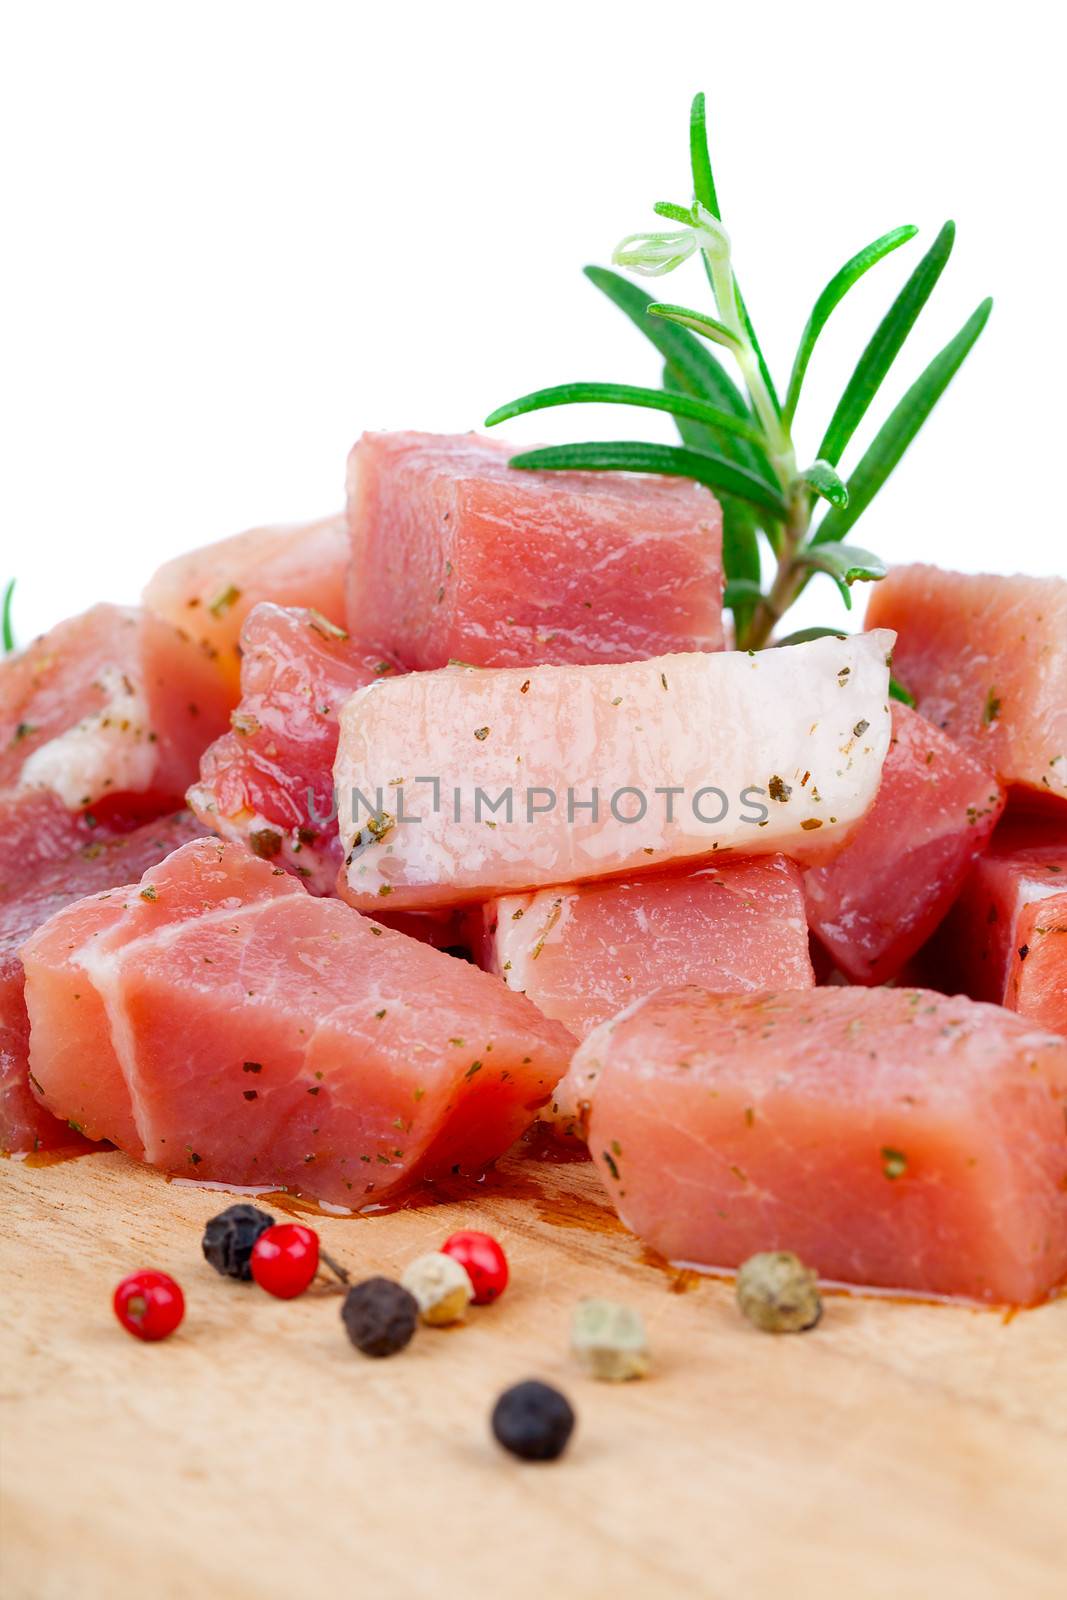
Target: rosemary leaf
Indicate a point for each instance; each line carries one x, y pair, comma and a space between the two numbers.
625, 455
626, 394
740, 590
897, 691
823, 478
707, 327
885, 346
700, 160
666, 208
655, 254
845, 563
740, 554
900, 428
7, 629
830, 298
806, 635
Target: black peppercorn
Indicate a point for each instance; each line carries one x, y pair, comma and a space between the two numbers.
380, 1316
229, 1237
533, 1421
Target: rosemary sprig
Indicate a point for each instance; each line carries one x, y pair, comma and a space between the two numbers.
738, 439
7, 627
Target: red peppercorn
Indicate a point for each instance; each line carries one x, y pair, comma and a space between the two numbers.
149, 1305
485, 1263
285, 1258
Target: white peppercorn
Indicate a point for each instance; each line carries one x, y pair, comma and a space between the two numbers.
441, 1286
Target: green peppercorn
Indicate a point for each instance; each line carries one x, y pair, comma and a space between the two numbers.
778, 1293
609, 1340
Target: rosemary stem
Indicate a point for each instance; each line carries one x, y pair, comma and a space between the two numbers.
782, 454
724, 288
788, 579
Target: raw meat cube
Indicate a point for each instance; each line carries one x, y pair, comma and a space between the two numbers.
221, 1023
890, 1137
1006, 938
209, 592
268, 783
25, 1126
102, 721
986, 659
682, 756
583, 953
457, 556
878, 902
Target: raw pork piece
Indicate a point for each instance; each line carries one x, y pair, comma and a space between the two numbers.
102, 722
457, 556
582, 953
1006, 938
779, 751
221, 1023
268, 783
209, 592
25, 1125
986, 659
889, 888
891, 1137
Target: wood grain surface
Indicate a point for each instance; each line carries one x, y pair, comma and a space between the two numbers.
897, 1450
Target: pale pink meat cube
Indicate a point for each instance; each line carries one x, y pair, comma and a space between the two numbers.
464, 784
986, 659
457, 556
890, 1137
25, 1125
582, 953
209, 592
102, 721
221, 1023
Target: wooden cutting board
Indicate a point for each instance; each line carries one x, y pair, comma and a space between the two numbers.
897, 1450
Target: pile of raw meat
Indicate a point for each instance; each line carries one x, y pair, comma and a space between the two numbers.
362, 845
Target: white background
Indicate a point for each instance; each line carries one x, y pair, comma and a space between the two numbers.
235, 234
